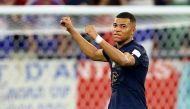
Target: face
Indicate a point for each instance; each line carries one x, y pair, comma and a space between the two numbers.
123, 30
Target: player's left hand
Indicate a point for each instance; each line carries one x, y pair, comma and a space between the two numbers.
91, 31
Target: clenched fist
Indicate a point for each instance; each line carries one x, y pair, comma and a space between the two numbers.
66, 22
91, 31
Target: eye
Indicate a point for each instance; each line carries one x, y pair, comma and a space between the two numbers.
114, 25
124, 26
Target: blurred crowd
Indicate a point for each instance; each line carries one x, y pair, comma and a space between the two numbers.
15, 42
38, 46
94, 2
23, 36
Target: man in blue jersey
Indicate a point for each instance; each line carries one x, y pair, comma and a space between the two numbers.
128, 60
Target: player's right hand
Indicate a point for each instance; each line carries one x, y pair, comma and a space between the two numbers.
91, 31
66, 22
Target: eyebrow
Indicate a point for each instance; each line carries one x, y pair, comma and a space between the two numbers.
120, 24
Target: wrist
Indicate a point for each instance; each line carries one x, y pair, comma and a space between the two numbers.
98, 39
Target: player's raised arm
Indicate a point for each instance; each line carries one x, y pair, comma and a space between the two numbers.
90, 50
123, 59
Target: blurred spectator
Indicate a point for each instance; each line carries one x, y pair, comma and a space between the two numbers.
21, 2
97, 2
45, 2
118, 2
31, 47
87, 2
3, 24
162, 2
76, 2
15, 22
13, 2
130, 2
140, 2
8, 2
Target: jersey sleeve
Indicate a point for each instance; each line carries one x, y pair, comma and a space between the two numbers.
140, 55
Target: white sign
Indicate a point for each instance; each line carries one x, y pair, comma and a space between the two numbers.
38, 84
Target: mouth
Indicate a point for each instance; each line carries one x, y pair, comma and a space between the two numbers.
116, 34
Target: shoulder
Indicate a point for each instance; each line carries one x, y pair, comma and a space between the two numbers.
135, 47
139, 52
139, 47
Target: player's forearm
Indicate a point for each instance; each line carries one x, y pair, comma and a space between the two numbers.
87, 48
115, 54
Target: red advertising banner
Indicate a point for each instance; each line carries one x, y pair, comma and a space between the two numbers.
94, 85
162, 85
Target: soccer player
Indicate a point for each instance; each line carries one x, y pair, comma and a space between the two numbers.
128, 60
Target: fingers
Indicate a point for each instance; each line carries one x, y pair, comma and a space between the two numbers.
64, 21
91, 31
90, 28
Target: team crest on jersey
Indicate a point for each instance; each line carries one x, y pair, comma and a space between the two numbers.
114, 77
113, 64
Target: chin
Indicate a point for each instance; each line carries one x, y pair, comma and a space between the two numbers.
116, 41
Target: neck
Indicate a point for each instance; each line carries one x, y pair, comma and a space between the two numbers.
120, 44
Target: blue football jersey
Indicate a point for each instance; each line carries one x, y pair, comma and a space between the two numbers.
127, 82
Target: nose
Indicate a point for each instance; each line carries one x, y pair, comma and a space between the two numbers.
117, 28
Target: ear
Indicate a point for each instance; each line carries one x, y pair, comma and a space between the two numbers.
133, 29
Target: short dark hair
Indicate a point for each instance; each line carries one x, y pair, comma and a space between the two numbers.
127, 15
